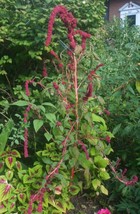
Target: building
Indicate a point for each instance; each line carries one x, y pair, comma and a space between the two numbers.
124, 9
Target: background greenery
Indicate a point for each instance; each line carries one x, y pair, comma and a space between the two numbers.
118, 47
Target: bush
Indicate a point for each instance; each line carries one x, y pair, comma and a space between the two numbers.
119, 49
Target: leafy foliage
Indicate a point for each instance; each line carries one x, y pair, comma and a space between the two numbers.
58, 116
120, 46
23, 31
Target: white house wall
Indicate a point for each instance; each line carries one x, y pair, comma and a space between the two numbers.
127, 11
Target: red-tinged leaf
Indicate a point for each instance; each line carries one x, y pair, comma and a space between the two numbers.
58, 190
74, 189
1, 166
36, 171
3, 180
10, 162
9, 175
28, 179
22, 209
18, 165
61, 206
5, 191
15, 153
57, 204
12, 206
20, 189
22, 197
3, 209
37, 184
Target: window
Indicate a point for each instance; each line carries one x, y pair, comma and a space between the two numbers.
131, 12
131, 19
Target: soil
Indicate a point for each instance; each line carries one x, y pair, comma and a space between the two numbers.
84, 205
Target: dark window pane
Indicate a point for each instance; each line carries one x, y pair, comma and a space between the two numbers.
131, 20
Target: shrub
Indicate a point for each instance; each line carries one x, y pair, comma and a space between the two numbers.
120, 89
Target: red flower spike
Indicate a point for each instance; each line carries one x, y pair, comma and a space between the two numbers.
58, 123
27, 86
121, 178
60, 65
83, 146
107, 112
92, 73
132, 182
44, 72
108, 139
66, 17
26, 143
39, 209
55, 85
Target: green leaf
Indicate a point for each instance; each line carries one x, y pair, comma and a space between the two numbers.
87, 176
96, 183
104, 175
24, 96
138, 85
100, 162
93, 151
5, 134
21, 173
99, 119
83, 161
116, 129
51, 117
48, 104
101, 100
48, 136
21, 103
104, 190
37, 124
131, 89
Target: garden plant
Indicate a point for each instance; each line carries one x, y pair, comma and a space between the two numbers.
65, 140
54, 141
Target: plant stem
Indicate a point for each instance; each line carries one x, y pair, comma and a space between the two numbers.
76, 91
